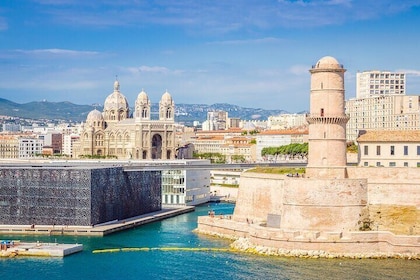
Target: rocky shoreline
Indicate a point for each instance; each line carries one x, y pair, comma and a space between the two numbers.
244, 245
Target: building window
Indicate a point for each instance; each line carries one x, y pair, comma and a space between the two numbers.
378, 150
418, 150
378, 163
406, 150
392, 164
392, 150
366, 150
366, 163
405, 164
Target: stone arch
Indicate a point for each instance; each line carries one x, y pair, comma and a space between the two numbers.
156, 146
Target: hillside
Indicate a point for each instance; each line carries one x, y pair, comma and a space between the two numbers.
45, 110
186, 113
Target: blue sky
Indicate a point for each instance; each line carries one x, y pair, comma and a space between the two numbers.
252, 53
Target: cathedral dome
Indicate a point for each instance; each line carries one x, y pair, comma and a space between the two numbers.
166, 98
93, 116
328, 62
116, 100
142, 98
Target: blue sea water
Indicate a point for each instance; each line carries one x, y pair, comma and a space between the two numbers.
177, 232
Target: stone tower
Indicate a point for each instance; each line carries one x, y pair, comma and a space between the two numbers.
327, 120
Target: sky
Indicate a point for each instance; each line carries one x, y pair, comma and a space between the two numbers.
251, 53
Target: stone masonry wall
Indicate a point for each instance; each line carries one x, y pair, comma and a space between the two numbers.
258, 195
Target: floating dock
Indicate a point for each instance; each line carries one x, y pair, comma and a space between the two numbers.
95, 230
38, 249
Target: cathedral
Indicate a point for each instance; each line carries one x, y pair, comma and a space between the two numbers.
115, 133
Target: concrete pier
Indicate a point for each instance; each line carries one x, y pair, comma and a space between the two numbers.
39, 249
95, 230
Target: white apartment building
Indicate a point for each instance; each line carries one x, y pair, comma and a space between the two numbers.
385, 112
286, 121
216, 120
374, 83
69, 141
184, 186
276, 138
389, 148
30, 147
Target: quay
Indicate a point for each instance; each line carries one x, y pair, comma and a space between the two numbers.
38, 249
94, 230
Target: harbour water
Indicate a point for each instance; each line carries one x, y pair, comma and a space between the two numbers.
162, 263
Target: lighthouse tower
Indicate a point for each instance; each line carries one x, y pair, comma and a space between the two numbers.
327, 120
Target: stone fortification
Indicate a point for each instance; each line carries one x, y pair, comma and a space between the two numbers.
344, 217
333, 208
81, 196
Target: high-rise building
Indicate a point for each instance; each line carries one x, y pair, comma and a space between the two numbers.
385, 112
373, 83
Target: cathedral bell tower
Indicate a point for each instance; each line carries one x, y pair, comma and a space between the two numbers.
327, 120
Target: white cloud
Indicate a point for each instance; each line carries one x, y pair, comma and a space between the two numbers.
267, 40
58, 52
148, 69
220, 16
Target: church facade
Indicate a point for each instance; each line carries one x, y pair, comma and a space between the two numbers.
115, 133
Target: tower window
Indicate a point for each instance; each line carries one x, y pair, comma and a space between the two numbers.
322, 112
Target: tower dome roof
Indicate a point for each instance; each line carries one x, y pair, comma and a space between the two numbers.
328, 62
142, 97
166, 98
116, 100
94, 115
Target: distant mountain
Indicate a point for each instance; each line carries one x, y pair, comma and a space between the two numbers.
198, 112
45, 110
186, 113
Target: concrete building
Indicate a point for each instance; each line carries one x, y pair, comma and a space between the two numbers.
9, 146
389, 148
374, 83
11, 127
185, 186
30, 147
69, 141
385, 112
81, 195
113, 133
216, 120
277, 138
53, 140
286, 121
239, 149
